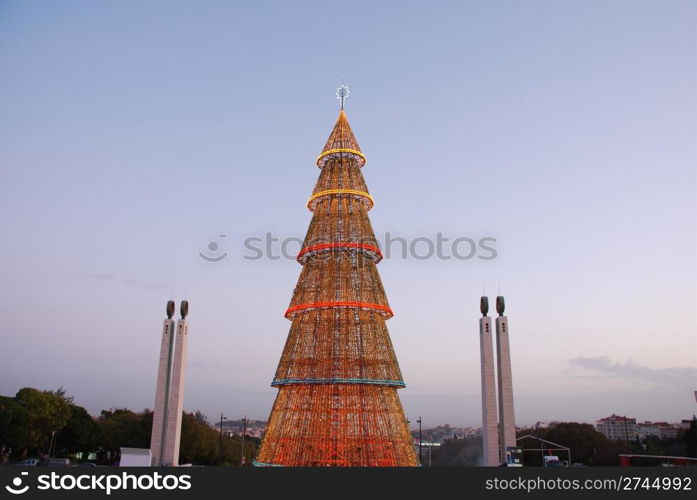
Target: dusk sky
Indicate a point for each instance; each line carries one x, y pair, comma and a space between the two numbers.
133, 134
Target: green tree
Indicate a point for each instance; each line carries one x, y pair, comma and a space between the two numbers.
586, 443
13, 433
122, 427
80, 434
28, 420
199, 442
45, 413
588, 446
62, 393
456, 453
653, 445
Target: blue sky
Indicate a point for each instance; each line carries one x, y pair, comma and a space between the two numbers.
132, 134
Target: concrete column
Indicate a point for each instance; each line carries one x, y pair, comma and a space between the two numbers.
507, 435
490, 436
159, 416
176, 396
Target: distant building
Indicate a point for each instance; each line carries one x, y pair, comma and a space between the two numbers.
646, 429
231, 428
469, 432
617, 427
684, 424
546, 425
668, 432
662, 430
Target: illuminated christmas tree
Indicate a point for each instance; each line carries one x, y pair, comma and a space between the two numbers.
337, 380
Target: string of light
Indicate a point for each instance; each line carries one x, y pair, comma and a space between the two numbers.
367, 199
384, 310
371, 250
339, 153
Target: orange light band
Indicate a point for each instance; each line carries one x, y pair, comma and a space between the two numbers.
367, 199
322, 159
384, 310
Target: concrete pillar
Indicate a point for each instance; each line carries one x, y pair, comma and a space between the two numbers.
159, 417
490, 436
507, 435
175, 405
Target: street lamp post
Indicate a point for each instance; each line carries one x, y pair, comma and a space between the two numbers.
419, 422
220, 448
244, 431
50, 446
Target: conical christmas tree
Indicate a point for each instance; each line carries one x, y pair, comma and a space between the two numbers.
337, 403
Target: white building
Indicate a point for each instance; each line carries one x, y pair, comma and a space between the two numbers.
646, 429
667, 432
135, 457
663, 430
616, 427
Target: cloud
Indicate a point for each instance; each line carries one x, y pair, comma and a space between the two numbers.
673, 378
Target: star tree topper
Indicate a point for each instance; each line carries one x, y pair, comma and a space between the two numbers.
342, 93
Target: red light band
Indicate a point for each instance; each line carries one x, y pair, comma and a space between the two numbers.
384, 310
327, 246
